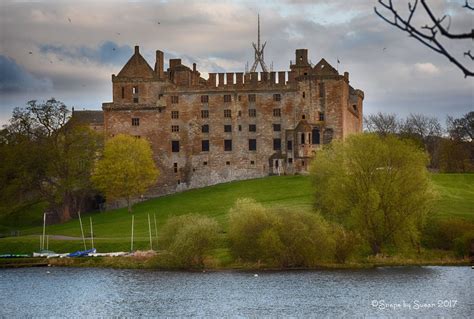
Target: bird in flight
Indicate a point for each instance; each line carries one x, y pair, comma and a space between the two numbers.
30, 52
384, 49
69, 19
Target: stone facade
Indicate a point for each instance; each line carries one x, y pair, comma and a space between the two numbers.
231, 126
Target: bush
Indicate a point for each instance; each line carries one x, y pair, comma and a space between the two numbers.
464, 245
442, 233
189, 238
278, 237
248, 220
345, 243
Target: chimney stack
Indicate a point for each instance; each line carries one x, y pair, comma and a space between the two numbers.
159, 64
137, 49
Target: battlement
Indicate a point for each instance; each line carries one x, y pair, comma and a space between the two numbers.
251, 79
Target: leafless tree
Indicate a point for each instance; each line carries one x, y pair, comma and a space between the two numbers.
432, 33
382, 123
422, 126
461, 128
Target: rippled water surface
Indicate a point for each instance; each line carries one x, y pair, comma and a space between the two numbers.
383, 292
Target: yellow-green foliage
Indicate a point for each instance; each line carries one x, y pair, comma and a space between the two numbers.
280, 238
376, 186
189, 238
126, 169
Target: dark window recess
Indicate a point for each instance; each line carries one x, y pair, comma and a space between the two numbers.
204, 163
276, 144
252, 145
227, 128
252, 162
175, 114
227, 113
205, 145
240, 128
240, 113
289, 145
174, 99
135, 90
174, 128
277, 97
252, 112
123, 92
277, 112
290, 161
354, 107
205, 128
175, 167
304, 95
322, 90
228, 145
321, 116
302, 163
239, 98
204, 98
303, 136
135, 100
135, 121
252, 128
175, 146
276, 127
316, 137
303, 116
179, 181
252, 98
227, 98
204, 114
227, 163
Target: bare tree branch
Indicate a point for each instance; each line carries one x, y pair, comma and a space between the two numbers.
428, 34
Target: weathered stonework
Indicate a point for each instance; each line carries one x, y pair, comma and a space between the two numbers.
303, 108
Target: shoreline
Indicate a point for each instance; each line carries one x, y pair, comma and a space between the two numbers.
153, 264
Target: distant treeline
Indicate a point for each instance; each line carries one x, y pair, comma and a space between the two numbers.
451, 149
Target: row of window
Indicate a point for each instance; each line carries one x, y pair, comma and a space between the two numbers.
227, 114
228, 128
204, 98
228, 145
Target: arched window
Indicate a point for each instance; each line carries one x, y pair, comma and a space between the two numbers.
316, 136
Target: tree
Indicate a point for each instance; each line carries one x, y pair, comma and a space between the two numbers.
382, 123
434, 33
48, 155
375, 186
126, 169
462, 128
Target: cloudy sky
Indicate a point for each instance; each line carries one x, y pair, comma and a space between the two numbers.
69, 49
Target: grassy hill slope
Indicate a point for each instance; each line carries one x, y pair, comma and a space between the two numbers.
112, 229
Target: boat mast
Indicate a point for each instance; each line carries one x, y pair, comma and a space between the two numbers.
149, 231
82, 230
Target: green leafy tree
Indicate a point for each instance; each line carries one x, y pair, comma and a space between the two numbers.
48, 156
126, 169
376, 186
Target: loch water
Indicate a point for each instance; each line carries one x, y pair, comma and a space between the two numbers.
380, 292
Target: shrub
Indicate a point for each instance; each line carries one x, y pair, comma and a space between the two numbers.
442, 233
189, 238
464, 245
345, 243
248, 220
280, 238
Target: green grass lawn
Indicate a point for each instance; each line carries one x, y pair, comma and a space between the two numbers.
113, 228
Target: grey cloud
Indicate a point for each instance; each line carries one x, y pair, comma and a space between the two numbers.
107, 52
16, 79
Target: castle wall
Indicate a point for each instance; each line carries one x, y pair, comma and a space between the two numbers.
292, 107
